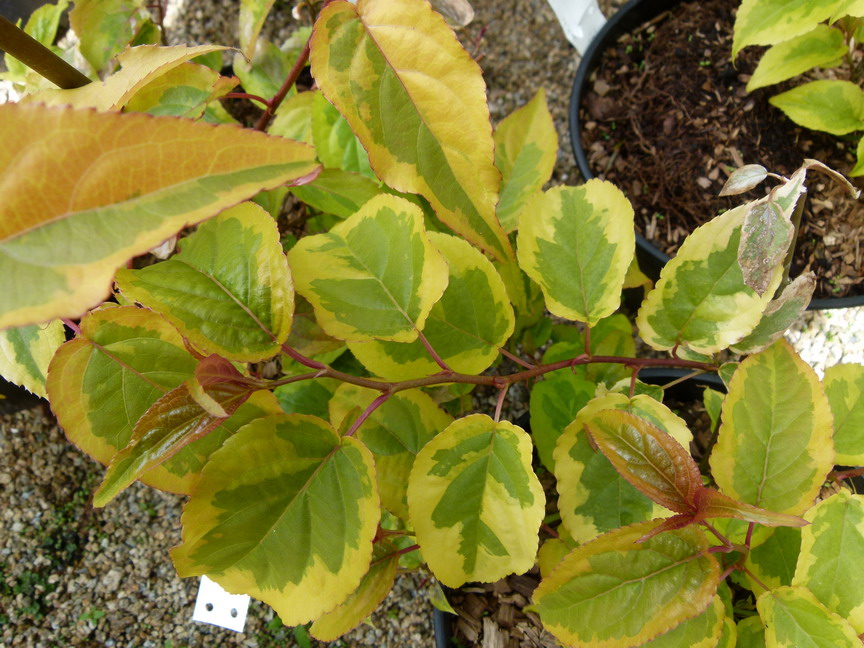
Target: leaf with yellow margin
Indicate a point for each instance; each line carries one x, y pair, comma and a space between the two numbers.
26, 351
794, 617
252, 16
774, 448
417, 101
102, 382
228, 290
183, 91
373, 276
701, 300
832, 549
466, 327
285, 511
526, 147
70, 216
702, 631
104, 27
577, 243
475, 503
844, 386
140, 66
643, 588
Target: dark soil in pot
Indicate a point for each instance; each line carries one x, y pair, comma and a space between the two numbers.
666, 117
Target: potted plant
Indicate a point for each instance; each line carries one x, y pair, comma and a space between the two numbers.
675, 118
311, 403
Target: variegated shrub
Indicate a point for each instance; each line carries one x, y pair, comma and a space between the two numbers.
312, 403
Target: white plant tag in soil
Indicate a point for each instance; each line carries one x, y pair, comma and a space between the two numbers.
216, 606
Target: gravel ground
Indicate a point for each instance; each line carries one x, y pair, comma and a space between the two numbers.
72, 576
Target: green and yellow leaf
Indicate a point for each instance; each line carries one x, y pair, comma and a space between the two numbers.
183, 91
702, 631
844, 386
376, 62
835, 107
577, 243
374, 276
294, 118
338, 192
252, 16
822, 46
466, 326
751, 633
526, 147
265, 73
287, 486
831, 551
107, 196
105, 27
475, 503
306, 335
335, 143
554, 403
794, 617
26, 351
617, 592
767, 22
229, 290
772, 560
701, 300
775, 447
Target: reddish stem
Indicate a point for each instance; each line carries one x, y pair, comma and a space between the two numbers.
502, 393
754, 578
72, 325
549, 530
587, 340
378, 402
290, 80
633, 378
846, 474
749, 536
717, 534
246, 95
414, 547
515, 358
433, 353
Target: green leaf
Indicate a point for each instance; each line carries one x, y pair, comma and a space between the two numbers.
307, 396
466, 327
701, 300
773, 559
858, 169
374, 62
702, 631
374, 276
294, 118
105, 27
794, 617
287, 486
374, 587
125, 359
593, 497
767, 22
844, 386
108, 194
395, 433
265, 73
183, 91
822, 46
780, 314
252, 16
526, 147
306, 335
26, 351
228, 290
848, 8
554, 403
338, 192
713, 401
774, 448
615, 591
751, 633
475, 503
835, 107
578, 244
335, 143
182, 416
832, 548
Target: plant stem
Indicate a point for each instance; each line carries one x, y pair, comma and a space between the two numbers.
846, 474
246, 95
749, 536
502, 393
692, 374
18, 43
433, 353
72, 325
753, 577
378, 402
717, 534
515, 358
413, 547
289, 82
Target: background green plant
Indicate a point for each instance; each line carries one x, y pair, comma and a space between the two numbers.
311, 404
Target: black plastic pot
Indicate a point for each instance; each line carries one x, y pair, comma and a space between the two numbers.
631, 16
14, 398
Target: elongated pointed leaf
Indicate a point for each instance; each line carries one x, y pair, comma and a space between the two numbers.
766, 22
179, 418
26, 351
102, 382
375, 275
106, 198
395, 433
284, 486
779, 315
526, 146
376, 63
744, 179
701, 300
252, 16
822, 46
774, 448
643, 589
835, 107
374, 587
794, 617
593, 497
648, 458
844, 386
141, 66
832, 548
475, 503
773, 559
466, 327
229, 289
714, 504
577, 243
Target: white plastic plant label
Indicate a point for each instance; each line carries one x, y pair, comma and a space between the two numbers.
216, 606
581, 20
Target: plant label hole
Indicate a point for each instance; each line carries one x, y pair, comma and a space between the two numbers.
216, 606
